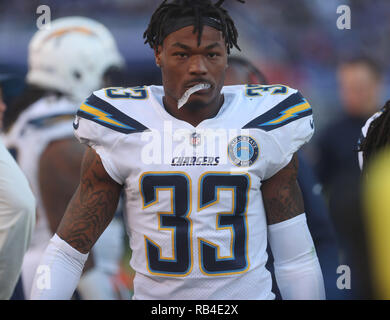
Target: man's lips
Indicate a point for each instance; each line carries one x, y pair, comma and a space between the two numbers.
193, 90
192, 84
202, 91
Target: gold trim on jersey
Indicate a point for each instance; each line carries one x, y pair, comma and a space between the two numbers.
132, 95
260, 86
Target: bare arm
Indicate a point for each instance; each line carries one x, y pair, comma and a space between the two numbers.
92, 206
59, 176
281, 194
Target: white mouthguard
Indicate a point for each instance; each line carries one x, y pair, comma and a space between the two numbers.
183, 100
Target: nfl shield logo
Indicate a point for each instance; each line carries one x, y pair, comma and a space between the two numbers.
195, 139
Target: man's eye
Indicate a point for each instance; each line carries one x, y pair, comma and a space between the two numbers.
212, 54
181, 54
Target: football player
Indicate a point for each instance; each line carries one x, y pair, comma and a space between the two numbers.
374, 160
209, 174
66, 64
17, 215
375, 135
242, 71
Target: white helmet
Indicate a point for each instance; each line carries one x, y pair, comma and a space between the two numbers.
71, 56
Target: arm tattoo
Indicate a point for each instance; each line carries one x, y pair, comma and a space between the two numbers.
282, 196
92, 206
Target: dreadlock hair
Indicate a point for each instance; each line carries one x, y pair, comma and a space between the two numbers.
166, 12
378, 135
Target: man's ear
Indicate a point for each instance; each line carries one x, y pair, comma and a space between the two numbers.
157, 55
227, 61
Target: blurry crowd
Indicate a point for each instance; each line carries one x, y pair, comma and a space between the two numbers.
295, 42
343, 74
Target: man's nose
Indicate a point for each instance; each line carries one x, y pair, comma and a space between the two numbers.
197, 65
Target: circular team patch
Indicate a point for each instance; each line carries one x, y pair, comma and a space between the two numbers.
243, 151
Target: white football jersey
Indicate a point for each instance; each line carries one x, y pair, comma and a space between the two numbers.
195, 214
47, 120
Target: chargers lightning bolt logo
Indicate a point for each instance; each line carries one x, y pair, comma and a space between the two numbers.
102, 116
286, 111
107, 115
289, 113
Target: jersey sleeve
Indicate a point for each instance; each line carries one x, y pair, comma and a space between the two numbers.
101, 125
363, 135
97, 137
288, 126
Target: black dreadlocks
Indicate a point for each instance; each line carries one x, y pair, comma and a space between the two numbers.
166, 12
378, 135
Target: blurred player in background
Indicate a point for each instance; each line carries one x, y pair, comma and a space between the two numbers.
375, 135
374, 161
198, 225
361, 83
66, 63
17, 215
242, 71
